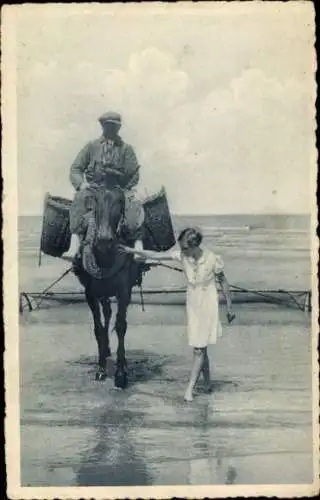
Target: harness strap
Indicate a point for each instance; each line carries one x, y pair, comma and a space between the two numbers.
89, 261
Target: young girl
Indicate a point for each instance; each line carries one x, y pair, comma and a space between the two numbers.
202, 269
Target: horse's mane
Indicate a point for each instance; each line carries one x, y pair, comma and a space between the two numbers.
107, 197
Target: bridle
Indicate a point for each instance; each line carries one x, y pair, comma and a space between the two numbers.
88, 259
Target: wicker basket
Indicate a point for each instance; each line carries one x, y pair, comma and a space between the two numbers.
55, 234
158, 228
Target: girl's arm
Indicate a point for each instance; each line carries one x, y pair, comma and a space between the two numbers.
223, 282
149, 254
225, 288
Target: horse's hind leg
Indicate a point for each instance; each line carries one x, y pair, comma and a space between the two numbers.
105, 347
99, 334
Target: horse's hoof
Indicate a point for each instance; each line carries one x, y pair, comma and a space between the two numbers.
101, 375
208, 389
121, 380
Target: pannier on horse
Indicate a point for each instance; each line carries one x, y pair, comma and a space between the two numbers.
56, 234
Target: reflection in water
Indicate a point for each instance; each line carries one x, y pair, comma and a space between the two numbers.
254, 428
112, 461
231, 475
199, 470
212, 468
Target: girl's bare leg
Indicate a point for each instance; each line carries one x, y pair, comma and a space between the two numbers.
206, 371
198, 357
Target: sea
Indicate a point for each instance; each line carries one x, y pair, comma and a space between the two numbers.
261, 251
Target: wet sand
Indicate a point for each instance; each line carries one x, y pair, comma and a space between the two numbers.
255, 428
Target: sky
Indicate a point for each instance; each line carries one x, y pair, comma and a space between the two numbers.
218, 101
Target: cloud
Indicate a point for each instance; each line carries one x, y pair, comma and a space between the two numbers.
230, 146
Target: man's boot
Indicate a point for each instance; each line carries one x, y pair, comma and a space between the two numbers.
74, 252
74, 246
77, 259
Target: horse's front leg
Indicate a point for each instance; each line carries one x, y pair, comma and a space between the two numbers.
105, 347
99, 334
121, 375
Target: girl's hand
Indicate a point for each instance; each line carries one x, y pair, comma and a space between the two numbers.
138, 253
127, 249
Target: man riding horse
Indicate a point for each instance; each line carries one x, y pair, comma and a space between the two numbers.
104, 214
105, 162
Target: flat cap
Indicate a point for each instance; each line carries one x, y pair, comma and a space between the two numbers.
111, 117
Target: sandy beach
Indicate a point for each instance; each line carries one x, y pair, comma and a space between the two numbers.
256, 426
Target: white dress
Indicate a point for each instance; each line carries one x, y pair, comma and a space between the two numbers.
202, 297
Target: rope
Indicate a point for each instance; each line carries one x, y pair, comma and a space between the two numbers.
39, 257
142, 299
44, 292
89, 261
166, 265
42, 228
263, 294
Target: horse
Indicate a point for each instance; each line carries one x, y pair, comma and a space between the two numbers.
106, 272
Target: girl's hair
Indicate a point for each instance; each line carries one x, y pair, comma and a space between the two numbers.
191, 237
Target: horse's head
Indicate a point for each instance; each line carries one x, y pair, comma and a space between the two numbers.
108, 211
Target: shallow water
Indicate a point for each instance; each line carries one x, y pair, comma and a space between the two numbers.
254, 428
